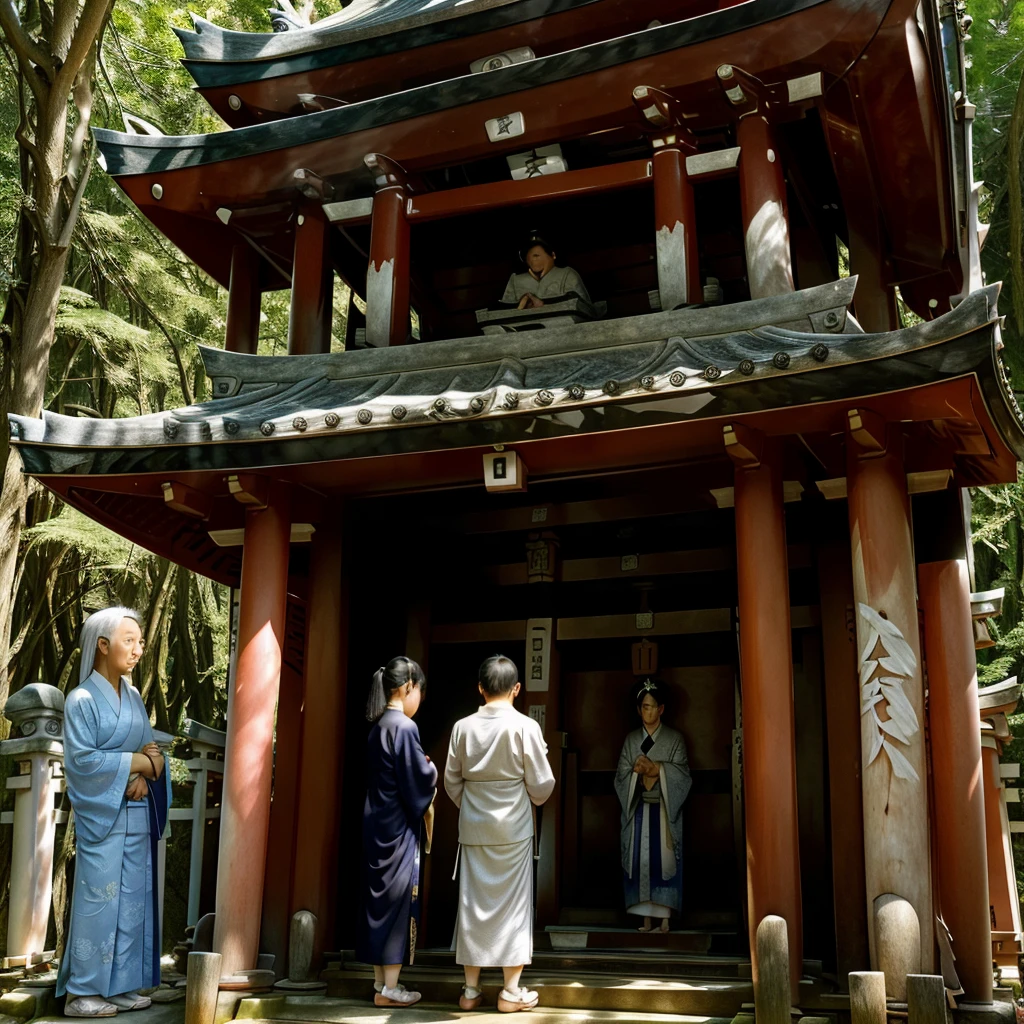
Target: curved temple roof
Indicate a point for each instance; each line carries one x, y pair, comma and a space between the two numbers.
656, 369
363, 20
126, 154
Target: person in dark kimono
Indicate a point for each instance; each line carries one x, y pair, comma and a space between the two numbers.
119, 794
401, 785
652, 783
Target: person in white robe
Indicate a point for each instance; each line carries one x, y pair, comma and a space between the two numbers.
542, 281
652, 783
497, 771
119, 794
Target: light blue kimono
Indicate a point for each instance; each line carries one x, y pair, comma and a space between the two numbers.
111, 944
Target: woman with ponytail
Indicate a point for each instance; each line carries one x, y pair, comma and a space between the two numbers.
400, 790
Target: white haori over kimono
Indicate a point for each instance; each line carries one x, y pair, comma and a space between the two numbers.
497, 770
652, 822
111, 943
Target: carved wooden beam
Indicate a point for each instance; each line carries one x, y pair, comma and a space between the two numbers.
249, 489
866, 429
743, 445
186, 500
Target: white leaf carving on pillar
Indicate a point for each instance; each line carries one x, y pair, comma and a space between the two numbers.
886, 663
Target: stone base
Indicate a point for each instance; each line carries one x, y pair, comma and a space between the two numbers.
246, 980
305, 988
984, 1013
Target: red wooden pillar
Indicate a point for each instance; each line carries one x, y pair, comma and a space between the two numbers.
309, 318
675, 220
322, 752
387, 278
897, 858
243, 322
276, 919
763, 206
248, 753
766, 674
1004, 904
953, 715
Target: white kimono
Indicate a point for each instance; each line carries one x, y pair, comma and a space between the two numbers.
497, 770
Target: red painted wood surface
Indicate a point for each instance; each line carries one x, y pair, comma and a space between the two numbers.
766, 670
322, 752
387, 284
959, 812
241, 332
896, 833
673, 205
249, 750
309, 317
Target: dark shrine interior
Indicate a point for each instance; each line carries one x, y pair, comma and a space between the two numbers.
450, 563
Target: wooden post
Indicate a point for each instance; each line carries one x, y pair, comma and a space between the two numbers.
926, 997
387, 279
323, 729
675, 221
766, 673
867, 998
249, 748
242, 330
953, 715
309, 318
771, 990
842, 717
763, 206
202, 978
897, 853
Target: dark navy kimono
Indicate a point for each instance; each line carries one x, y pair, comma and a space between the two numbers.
400, 787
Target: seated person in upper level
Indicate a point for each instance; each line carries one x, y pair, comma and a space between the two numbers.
542, 282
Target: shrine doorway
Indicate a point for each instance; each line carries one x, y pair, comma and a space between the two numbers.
633, 565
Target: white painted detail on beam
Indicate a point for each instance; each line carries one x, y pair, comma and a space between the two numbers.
806, 87
1017, 826
515, 55
380, 288
931, 480
1012, 796
716, 161
1009, 771
767, 246
348, 209
223, 214
301, 533
670, 247
508, 126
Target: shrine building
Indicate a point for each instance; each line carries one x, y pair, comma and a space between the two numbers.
740, 462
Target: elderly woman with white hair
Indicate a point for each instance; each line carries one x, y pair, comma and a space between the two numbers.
115, 779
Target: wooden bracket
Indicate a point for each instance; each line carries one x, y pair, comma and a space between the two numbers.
662, 111
743, 445
312, 186
249, 489
866, 429
741, 89
387, 172
186, 500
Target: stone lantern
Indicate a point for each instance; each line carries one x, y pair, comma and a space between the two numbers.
36, 714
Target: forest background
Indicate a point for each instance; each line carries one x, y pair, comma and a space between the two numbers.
102, 317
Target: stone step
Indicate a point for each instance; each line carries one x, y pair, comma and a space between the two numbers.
327, 1010
655, 963
581, 936
704, 997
